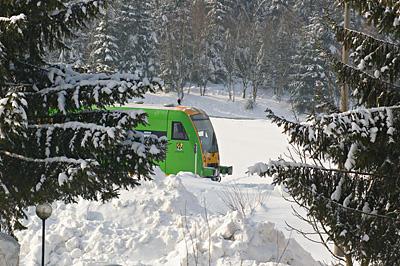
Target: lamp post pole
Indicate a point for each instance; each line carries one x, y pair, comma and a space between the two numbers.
43, 211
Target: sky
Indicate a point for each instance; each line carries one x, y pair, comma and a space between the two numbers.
183, 219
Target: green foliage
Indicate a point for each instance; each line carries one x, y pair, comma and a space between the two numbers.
359, 204
359, 211
310, 72
377, 72
348, 178
31, 28
138, 42
53, 144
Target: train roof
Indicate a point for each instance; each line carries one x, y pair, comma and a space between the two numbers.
186, 109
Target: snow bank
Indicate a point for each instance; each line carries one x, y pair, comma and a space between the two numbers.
158, 223
9, 250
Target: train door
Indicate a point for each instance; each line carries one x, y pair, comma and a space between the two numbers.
180, 151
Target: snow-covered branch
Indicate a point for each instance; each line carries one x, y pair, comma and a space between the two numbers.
13, 19
73, 91
77, 137
79, 9
312, 178
364, 122
368, 89
61, 159
264, 169
13, 118
14, 23
344, 136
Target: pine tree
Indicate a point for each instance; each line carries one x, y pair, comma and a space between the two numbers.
174, 55
201, 27
218, 13
283, 23
310, 73
137, 42
105, 52
348, 176
53, 144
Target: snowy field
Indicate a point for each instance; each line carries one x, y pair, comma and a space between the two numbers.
184, 220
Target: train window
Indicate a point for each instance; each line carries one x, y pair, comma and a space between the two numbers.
178, 131
206, 133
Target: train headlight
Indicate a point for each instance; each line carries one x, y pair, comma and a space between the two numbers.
216, 172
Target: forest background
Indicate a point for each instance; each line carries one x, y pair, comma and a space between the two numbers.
273, 45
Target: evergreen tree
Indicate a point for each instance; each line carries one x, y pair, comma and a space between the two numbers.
175, 41
76, 52
201, 28
53, 145
106, 52
310, 73
349, 181
137, 41
281, 43
221, 32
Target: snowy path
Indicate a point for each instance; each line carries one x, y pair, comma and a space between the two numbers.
243, 143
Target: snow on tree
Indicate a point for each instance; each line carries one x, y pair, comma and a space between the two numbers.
220, 32
310, 73
106, 52
54, 145
175, 44
250, 55
347, 178
202, 25
284, 24
198, 41
137, 41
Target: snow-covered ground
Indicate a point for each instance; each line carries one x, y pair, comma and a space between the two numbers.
182, 219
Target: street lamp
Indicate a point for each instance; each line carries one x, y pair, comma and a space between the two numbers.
44, 211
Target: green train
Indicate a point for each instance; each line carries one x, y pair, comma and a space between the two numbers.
192, 142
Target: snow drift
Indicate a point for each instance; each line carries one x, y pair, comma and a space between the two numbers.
158, 223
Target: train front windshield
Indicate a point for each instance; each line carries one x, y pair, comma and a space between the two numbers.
206, 133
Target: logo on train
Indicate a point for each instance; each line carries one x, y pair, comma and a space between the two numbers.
179, 146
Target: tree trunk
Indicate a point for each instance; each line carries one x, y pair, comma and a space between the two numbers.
349, 261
